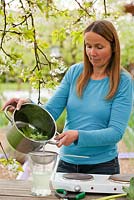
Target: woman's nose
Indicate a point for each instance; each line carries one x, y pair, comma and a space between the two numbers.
93, 51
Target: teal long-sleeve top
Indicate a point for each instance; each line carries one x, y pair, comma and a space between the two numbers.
100, 123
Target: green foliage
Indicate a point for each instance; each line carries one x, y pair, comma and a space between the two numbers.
58, 35
3, 120
126, 30
77, 37
13, 87
131, 120
129, 134
130, 190
60, 122
11, 164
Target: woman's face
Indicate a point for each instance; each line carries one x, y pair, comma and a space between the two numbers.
98, 49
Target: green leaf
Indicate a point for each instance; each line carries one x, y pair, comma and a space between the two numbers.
130, 190
28, 34
41, 6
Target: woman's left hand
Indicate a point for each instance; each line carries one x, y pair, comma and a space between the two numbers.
67, 137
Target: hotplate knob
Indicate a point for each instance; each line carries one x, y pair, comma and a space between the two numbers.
77, 188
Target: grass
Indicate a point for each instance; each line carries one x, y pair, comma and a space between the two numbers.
129, 140
129, 134
14, 86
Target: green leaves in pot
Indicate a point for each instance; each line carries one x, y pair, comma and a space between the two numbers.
33, 133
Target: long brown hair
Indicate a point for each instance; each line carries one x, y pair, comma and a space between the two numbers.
106, 30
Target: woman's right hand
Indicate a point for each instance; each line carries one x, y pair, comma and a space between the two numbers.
15, 103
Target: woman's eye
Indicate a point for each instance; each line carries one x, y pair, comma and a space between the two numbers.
100, 47
96, 46
88, 46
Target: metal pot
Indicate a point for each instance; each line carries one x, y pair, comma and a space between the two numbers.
30, 117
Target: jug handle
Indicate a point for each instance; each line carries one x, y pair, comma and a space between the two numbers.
7, 115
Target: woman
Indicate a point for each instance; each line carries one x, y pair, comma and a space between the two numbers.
97, 95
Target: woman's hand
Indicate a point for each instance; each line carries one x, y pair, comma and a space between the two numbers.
16, 103
66, 138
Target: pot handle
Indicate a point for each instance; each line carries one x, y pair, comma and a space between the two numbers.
7, 115
53, 142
